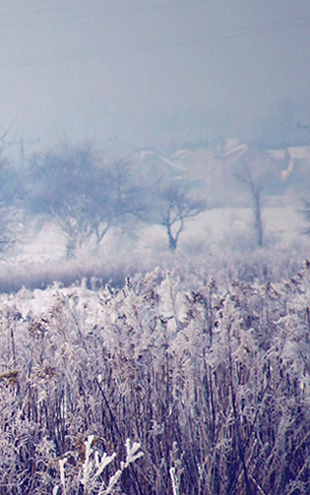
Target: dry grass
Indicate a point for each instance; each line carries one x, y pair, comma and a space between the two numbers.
212, 381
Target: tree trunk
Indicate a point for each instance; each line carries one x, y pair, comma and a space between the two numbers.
172, 241
258, 218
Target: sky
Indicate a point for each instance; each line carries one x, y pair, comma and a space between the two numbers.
151, 72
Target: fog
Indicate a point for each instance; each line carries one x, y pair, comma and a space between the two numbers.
154, 279
154, 72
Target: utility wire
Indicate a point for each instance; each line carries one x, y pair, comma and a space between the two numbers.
244, 31
94, 14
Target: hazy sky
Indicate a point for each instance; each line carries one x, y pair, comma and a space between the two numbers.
140, 70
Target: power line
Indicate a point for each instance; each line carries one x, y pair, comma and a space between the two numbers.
94, 14
244, 31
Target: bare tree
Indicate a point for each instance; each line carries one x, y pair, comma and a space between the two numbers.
256, 170
256, 188
305, 212
65, 185
10, 200
174, 207
83, 193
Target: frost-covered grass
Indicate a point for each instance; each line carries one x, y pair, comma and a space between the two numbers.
207, 376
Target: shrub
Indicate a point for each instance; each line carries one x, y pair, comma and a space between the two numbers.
211, 381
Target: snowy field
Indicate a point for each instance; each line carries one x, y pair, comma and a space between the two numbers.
217, 240
282, 225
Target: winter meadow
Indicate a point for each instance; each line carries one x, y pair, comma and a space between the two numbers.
155, 322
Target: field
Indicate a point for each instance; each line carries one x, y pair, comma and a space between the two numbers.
191, 376
216, 236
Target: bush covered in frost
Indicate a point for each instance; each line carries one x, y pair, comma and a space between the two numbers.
169, 385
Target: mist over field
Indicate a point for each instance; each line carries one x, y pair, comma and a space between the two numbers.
206, 98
